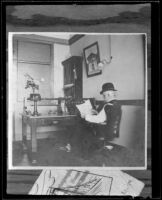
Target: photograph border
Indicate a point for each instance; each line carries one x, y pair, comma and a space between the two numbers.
150, 176
10, 124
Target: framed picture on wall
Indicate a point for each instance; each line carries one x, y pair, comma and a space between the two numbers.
92, 59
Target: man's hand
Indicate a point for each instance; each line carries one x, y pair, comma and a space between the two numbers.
94, 112
91, 112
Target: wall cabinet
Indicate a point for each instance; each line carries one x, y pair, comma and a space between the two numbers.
73, 77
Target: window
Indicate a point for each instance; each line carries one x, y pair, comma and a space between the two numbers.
35, 59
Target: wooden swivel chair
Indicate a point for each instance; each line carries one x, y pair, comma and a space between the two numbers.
105, 132
91, 136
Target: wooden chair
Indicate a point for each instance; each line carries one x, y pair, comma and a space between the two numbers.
102, 134
100, 131
88, 135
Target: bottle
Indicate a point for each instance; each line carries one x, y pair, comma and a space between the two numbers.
63, 106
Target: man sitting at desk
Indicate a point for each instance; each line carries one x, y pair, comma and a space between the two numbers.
104, 121
108, 115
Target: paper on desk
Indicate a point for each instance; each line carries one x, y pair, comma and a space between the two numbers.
92, 182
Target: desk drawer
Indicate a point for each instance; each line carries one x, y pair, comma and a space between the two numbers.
48, 122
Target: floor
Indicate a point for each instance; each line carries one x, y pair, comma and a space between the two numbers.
52, 152
20, 182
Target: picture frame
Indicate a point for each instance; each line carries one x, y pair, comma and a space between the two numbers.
92, 59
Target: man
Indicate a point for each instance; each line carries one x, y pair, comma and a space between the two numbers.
109, 113
103, 121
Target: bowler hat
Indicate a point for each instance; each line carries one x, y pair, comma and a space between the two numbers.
107, 87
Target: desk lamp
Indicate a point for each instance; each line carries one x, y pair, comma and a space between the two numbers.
35, 97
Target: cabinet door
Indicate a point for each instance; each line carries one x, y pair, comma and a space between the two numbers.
68, 74
78, 80
73, 75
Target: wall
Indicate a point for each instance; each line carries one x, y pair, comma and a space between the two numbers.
61, 53
126, 71
132, 127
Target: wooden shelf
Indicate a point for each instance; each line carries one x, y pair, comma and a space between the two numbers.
68, 85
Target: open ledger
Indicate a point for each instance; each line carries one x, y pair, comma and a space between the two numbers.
85, 110
81, 182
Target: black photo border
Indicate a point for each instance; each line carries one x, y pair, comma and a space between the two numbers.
155, 99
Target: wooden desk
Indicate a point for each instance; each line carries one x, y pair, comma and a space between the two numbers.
43, 120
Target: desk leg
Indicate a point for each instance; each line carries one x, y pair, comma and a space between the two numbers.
25, 159
34, 140
24, 135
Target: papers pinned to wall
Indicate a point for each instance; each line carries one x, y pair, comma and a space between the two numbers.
92, 182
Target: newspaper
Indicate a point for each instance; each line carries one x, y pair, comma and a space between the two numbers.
81, 182
85, 108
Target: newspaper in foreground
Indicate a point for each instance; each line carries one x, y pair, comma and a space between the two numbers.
92, 182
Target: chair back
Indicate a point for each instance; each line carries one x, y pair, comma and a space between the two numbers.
116, 124
112, 126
